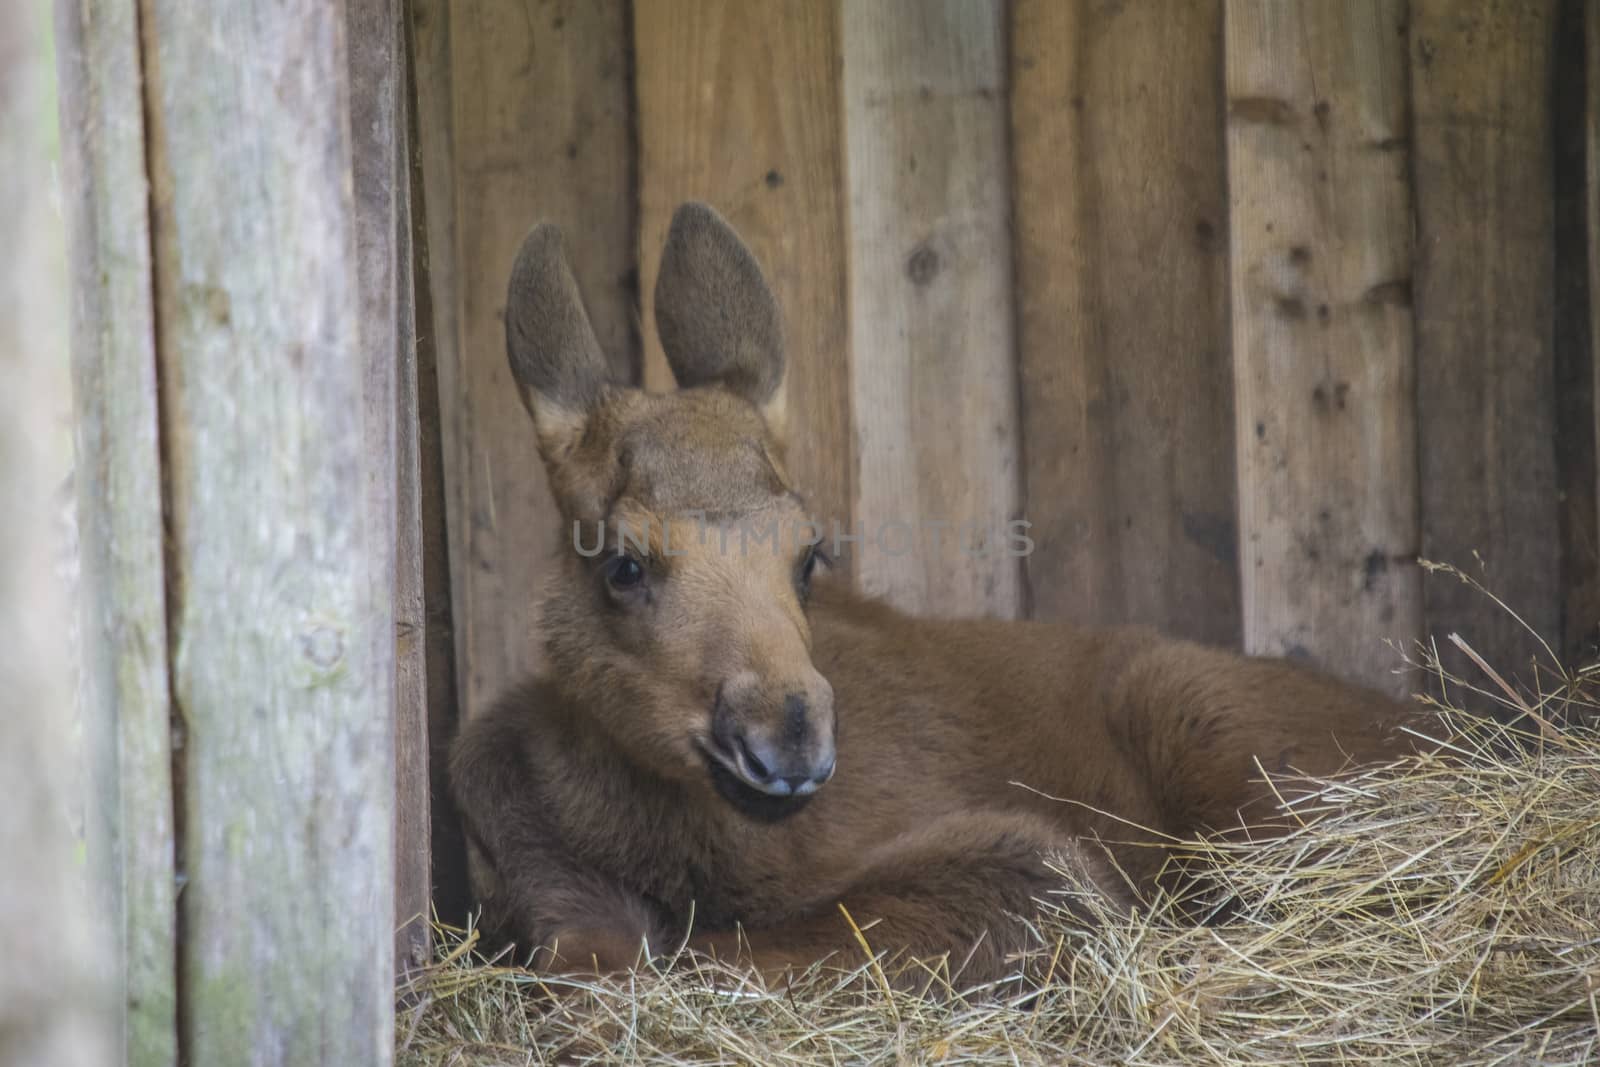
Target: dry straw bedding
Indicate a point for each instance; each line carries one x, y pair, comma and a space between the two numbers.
1445, 910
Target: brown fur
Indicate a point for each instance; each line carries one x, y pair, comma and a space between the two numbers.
600, 796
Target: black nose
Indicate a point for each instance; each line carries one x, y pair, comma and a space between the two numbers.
786, 757
761, 773
779, 769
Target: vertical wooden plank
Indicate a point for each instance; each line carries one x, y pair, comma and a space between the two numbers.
1120, 208
739, 107
413, 789
1322, 332
930, 302
540, 131
434, 293
1480, 98
281, 578
381, 173
123, 687
1591, 33
54, 1007
1577, 471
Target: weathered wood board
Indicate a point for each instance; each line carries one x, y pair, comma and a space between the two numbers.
539, 130
739, 107
63, 948
1592, 203
381, 179
1120, 210
1573, 91
931, 321
122, 678
1480, 104
281, 583
1591, 25
434, 295
1322, 329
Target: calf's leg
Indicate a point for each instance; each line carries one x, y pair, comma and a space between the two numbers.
962, 888
560, 913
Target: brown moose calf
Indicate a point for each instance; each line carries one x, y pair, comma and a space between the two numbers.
723, 736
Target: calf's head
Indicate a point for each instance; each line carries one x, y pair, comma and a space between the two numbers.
677, 622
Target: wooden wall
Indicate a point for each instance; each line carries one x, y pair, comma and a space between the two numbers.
236, 204
1246, 305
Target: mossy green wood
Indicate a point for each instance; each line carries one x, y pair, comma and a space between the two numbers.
281, 579
123, 688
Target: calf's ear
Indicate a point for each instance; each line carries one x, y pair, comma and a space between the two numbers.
555, 357
717, 318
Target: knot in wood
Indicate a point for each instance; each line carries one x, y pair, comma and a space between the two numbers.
923, 264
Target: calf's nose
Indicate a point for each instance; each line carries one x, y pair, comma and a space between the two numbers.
784, 770
791, 757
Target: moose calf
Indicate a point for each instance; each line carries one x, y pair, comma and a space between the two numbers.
726, 739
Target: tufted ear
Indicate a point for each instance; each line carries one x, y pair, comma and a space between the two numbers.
555, 357
718, 321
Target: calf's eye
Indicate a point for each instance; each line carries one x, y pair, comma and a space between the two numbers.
808, 565
623, 573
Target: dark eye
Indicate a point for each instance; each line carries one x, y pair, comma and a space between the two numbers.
808, 565
623, 573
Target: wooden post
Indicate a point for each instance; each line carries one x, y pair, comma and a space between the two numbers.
930, 304
123, 681
54, 1008
1577, 473
433, 327
1591, 27
380, 157
264, 382
1575, 120
1321, 269
1122, 314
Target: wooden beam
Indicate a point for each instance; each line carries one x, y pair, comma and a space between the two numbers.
1591, 33
55, 1003
281, 580
1573, 108
433, 289
379, 91
123, 653
930, 303
738, 106
1122, 317
1322, 328
1480, 102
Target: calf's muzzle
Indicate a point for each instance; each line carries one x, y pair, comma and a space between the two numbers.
778, 743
